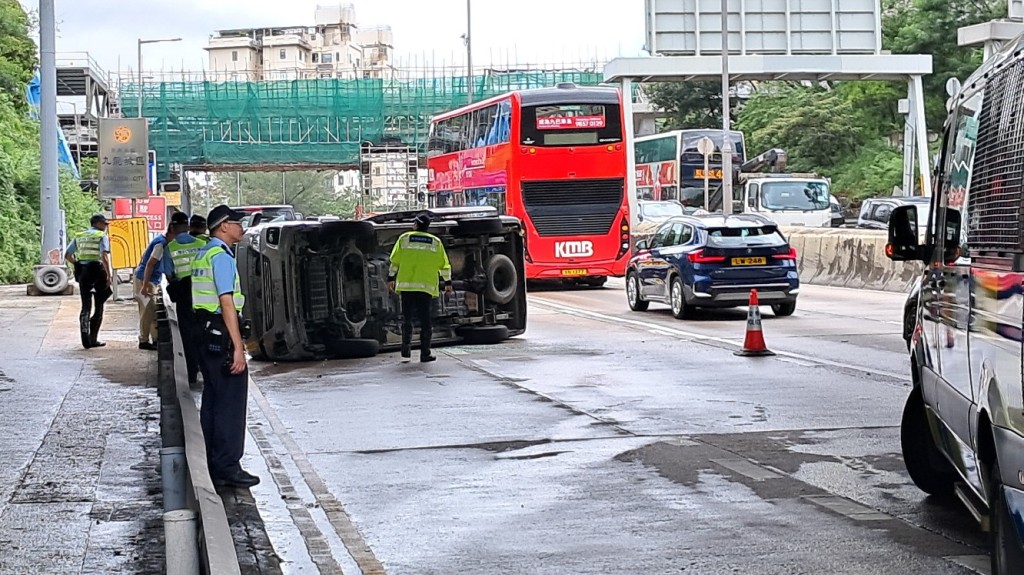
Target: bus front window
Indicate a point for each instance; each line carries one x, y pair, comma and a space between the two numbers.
804, 196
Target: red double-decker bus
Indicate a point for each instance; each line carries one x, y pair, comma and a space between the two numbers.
553, 157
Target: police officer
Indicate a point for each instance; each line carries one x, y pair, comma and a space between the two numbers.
218, 301
89, 253
148, 275
179, 255
418, 264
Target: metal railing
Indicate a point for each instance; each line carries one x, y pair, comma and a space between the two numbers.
197, 534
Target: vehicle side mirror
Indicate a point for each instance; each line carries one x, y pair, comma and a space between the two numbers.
903, 236
642, 245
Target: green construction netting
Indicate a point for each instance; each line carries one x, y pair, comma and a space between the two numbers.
306, 122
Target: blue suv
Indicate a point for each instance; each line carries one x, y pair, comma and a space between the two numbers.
714, 261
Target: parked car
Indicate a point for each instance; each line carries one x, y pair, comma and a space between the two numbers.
278, 213
656, 212
962, 433
318, 289
714, 261
875, 212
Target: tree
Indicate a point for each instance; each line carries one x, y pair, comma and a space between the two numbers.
689, 104
311, 193
17, 50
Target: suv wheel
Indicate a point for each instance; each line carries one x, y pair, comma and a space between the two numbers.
1007, 554
927, 466
633, 297
677, 298
784, 309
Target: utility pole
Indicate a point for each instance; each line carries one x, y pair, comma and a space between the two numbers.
49, 192
727, 148
469, 51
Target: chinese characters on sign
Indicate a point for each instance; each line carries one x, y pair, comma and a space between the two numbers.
123, 158
570, 122
154, 210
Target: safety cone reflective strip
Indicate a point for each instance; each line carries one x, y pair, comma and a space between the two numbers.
753, 343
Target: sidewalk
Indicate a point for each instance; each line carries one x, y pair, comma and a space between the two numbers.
79, 442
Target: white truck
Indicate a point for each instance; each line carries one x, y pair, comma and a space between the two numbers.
788, 199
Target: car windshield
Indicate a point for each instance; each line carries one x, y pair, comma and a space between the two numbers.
662, 209
795, 196
922, 216
754, 236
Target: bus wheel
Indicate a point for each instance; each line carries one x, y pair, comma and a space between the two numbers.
502, 279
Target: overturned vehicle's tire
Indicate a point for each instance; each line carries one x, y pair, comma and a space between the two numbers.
353, 348
483, 335
479, 226
502, 279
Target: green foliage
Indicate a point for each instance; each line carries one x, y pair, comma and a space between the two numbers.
20, 156
311, 193
89, 168
689, 104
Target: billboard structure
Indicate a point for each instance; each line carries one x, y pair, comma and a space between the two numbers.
793, 40
124, 158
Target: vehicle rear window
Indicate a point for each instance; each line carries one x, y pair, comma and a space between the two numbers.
754, 236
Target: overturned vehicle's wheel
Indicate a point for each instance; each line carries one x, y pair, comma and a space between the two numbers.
483, 335
353, 348
502, 279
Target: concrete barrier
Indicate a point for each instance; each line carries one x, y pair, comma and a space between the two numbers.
850, 258
841, 257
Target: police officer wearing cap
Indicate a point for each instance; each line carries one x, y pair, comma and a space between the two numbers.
418, 265
89, 253
218, 301
180, 253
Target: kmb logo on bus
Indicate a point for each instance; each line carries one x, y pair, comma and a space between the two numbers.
574, 249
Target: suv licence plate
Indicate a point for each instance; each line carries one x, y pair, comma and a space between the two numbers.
749, 261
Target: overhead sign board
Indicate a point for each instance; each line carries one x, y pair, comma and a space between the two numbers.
124, 158
764, 27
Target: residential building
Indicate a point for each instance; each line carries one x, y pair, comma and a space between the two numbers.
334, 47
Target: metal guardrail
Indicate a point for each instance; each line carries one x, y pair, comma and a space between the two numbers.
180, 428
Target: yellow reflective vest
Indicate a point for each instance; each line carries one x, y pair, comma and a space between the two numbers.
419, 263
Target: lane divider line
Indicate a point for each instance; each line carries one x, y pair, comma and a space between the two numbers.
708, 339
350, 536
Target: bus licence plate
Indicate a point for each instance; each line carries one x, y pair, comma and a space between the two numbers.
574, 273
749, 261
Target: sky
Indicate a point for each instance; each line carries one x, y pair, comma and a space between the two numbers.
516, 31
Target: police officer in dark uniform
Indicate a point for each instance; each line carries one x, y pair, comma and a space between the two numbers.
218, 301
89, 253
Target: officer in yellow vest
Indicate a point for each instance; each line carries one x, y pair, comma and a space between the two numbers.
418, 265
89, 253
181, 251
218, 301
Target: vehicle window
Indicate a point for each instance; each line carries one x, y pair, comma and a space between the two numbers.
662, 237
755, 189
662, 209
865, 210
882, 213
571, 125
754, 236
795, 195
685, 235
954, 203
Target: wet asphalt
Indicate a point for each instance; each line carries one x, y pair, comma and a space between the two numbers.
607, 441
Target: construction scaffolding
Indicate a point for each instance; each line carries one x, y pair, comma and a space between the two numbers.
201, 123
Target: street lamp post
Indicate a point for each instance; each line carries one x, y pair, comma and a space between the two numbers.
141, 42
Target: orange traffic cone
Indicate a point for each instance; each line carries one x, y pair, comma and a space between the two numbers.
753, 344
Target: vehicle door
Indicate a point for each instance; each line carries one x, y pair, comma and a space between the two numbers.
663, 260
652, 269
949, 291
676, 256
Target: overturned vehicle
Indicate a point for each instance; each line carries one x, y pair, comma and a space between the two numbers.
317, 290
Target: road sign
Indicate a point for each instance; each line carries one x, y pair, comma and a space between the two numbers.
124, 158
128, 241
154, 209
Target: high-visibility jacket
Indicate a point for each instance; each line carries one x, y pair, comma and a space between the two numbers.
182, 254
204, 289
419, 262
88, 245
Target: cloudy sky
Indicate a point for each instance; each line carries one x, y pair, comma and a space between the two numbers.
517, 30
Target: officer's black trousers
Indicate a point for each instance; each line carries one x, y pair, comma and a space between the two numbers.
417, 306
191, 336
224, 404
94, 291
